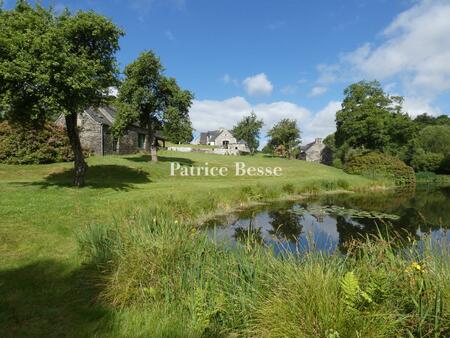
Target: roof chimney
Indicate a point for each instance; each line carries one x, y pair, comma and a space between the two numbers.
318, 140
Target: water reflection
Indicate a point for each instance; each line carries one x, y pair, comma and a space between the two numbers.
298, 226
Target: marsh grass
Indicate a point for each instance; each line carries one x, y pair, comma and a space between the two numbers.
166, 278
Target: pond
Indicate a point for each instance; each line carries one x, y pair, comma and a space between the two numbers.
329, 222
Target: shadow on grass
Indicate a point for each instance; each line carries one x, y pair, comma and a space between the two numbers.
147, 158
99, 176
46, 299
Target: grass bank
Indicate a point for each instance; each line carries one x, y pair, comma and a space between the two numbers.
167, 279
44, 287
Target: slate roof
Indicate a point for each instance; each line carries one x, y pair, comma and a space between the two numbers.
307, 146
106, 115
212, 136
98, 116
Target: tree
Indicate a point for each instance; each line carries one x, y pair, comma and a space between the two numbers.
371, 119
435, 139
285, 136
151, 99
52, 64
248, 129
424, 120
177, 128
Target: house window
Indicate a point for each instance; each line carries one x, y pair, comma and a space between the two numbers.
225, 144
141, 141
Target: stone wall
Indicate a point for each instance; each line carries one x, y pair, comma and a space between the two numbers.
225, 136
318, 152
90, 132
91, 137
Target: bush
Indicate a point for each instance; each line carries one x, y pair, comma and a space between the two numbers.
26, 145
423, 161
378, 165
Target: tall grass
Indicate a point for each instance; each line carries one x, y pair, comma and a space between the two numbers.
166, 278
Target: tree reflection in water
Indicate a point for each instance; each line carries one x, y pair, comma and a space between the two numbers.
418, 211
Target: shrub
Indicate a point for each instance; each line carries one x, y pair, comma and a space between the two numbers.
27, 145
337, 163
378, 165
423, 161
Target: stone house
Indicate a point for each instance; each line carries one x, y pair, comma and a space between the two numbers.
94, 125
223, 139
316, 151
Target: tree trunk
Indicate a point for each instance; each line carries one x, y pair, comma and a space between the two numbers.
74, 138
152, 141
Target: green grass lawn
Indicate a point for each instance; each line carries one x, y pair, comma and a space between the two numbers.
42, 289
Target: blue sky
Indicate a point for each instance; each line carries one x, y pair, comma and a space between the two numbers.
288, 58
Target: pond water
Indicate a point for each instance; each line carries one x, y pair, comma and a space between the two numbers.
329, 222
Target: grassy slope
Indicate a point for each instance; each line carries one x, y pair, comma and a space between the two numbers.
40, 288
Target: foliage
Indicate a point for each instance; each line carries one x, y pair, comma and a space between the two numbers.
435, 139
424, 120
52, 64
248, 129
22, 145
423, 161
177, 128
371, 119
284, 138
376, 164
429, 150
153, 100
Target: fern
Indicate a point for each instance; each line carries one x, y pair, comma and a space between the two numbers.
354, 296
351, 290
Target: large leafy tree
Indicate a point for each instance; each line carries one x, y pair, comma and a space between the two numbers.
285, 137
150, 99
177, 127
372, 119
248, 129
52, 64
424, 120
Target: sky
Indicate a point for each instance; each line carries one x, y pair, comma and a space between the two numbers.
287, 58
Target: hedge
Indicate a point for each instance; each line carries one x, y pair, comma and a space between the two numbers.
378, 165
27, 145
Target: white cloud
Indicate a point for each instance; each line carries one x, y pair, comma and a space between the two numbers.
258, 85
289, 90
322, 123
317, 91
416, 106
328, 73
414, 51
214, 114
113, 91
228, 79
169, 35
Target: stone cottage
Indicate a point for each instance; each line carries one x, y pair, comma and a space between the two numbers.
316, 151
94, 125
224, 139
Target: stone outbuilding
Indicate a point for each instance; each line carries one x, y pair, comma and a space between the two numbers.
316, 151
223, 139
94, 125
